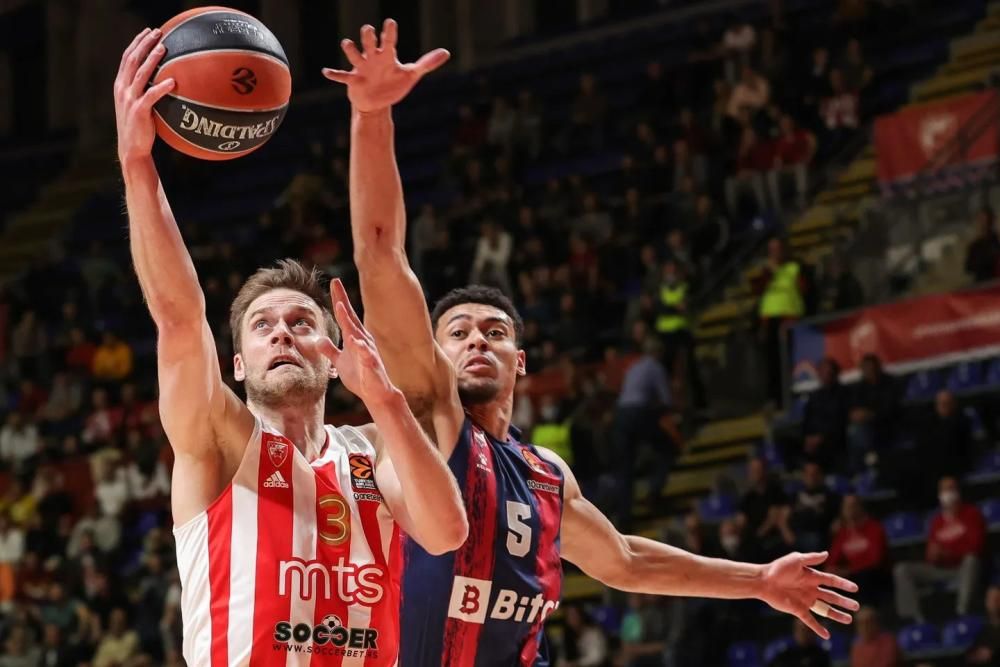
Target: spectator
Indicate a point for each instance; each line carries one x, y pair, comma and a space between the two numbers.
105, 531
873, 647
954, 550
654, 95
986, 649
860, 552
650, 630
750, 94
782, 286
587, 116
113, 359
120, 643
839, 113
815, 84
674, 329
752, 161
103, 423
55, 652
709, 235
111, 489
528, 125
64, 400
763, 515
80, 355
20, 442
813, 511
11, 553
731, 541
874, 409
595, 224
824, 424
946, 439
687, 165
28, 344
839, 289
982, 257
470, 131
857, 74
805, 652
492, 256
18, 650
793, 153
584, 643
642, 403
500, 129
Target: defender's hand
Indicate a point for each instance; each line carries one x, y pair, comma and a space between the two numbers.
357, 361
792, 585
378, 79
133, 102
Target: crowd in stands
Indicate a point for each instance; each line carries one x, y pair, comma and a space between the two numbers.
601, 270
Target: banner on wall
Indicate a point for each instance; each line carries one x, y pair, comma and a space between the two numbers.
907, 141
907, 336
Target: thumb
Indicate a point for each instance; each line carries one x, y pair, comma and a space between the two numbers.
328, 349
431, 61
814, 558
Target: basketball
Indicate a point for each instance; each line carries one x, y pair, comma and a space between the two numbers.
232, 83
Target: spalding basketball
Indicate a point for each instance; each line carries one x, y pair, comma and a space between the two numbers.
232, 83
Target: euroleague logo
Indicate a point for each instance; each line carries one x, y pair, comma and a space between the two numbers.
244, 81
363, 479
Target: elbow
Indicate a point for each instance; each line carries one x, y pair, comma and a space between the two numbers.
449, 536
374, 255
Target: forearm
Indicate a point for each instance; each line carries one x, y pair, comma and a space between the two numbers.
433, 501
164, 267
376, 193
661, 569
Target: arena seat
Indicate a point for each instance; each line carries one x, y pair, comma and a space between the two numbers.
919, 638
903, 528
838, 646
991, 513
776, 648
922, 385
960, 633
716, 507
966, 376
744, 654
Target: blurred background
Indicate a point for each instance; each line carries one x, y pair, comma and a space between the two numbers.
785, 208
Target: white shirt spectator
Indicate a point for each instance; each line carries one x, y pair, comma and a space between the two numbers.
840, 111
112, 493
18, 441
11, 545
106, 531
144, 487
740, 38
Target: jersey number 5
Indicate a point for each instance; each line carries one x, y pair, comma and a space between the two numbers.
518, 532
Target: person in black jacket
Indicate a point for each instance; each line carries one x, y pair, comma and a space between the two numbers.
806, 652
982, 257
824, 423
873, 411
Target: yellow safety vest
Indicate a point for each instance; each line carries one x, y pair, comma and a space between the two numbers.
672, 296
782, 297
555, 437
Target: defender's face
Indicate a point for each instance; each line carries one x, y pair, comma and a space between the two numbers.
279, 361
481, 343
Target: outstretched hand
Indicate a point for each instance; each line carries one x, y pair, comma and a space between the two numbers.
792, 585
378, 80
133, 101
357, 361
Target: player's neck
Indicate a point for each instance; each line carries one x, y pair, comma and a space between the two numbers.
494, 416
301, 424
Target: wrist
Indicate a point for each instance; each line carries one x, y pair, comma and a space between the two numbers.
131, 164
387, 402
380, 114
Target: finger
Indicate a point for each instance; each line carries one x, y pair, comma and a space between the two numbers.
839, 616
815, 558
368, 41
327, 348
350, 50
813, 624
390, 32
157, 92
146, 71
431, 61
338, 75
128, 50
138, 55
833, 581
340, 296
837, 599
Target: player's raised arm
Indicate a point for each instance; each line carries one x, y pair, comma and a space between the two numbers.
193, 397
627, 562
395, 309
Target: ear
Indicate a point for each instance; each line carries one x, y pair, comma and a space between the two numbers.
521, 363
239, 373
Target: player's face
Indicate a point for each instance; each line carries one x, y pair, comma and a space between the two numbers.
279, 362
481, 343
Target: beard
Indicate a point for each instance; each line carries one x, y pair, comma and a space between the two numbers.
307, 385
477, 393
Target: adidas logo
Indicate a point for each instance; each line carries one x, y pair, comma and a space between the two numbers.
275, 481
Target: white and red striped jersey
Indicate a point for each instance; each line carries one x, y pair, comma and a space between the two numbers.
296, 563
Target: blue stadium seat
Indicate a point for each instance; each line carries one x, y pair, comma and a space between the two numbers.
987, 469
904, 528
993, 374
716, 507
923, 385
975, 423
839, 484
609, 618
991, 512
919, 638
960, 633
966, 376
744, 654
838, 646
776, 648
771, 454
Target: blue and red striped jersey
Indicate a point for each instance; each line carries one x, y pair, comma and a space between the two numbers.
484, 605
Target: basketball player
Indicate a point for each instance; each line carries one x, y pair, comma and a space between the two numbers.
485, 603
287, 530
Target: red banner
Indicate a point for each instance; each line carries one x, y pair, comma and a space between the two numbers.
908, 335
908, 140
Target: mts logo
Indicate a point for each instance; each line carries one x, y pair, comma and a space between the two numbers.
471, 602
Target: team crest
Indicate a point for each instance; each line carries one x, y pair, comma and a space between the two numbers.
535, 462
278, 452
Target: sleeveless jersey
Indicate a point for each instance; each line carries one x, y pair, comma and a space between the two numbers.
295, 563
484, 604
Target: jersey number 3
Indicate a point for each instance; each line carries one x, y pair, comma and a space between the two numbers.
518, 532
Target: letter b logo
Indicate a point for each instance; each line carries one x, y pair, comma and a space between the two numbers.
470, 599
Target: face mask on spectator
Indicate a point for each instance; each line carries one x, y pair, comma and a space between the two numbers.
949, 499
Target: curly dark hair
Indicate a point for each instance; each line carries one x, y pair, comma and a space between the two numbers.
489, 296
